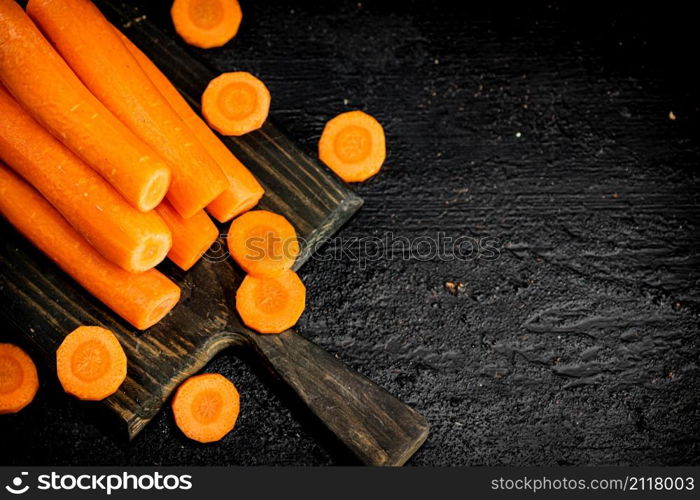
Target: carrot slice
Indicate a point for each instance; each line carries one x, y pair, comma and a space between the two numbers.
91, 46
142, 299
244, 191
206, 23
206, 407
18, 379
43, 83
133, 240
191, 237
236, 103
263, 243
353, 146
271, 305
91, 363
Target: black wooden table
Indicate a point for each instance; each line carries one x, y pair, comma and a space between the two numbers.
562, 145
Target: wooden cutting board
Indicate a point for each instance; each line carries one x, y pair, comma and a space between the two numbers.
43, 304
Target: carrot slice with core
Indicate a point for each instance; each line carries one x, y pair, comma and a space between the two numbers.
206, 23
236, 103
142, 299
244, 191
133, 240
271, 305
263, 243
353, 146
43, 83
191, 237
91, 363
18, 379
94, 50
206, 407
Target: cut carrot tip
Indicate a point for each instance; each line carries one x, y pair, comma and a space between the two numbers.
227, 206
19, 381
151, 253
155, 191
160, 311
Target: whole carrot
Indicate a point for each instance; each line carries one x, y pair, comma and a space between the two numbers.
244, 191
133, 240
44, 84
141, 299
191, 237
90, 45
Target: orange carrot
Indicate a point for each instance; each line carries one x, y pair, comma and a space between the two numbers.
91, 363
244, 191
263, 243
131, 239
44, 84
206, 407
141, 299
91, 46
18, 379
271, 305
206, 23
353, 146
191, 237
236, 103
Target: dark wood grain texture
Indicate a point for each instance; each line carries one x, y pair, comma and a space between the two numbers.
378, 428
45, 305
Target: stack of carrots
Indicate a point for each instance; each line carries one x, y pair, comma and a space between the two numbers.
107, 169
110, 170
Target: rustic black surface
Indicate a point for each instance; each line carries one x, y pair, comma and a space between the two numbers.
548, 129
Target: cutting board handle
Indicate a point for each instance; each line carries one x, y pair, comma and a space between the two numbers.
377, 427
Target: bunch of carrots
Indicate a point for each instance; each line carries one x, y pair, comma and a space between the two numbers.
107, 169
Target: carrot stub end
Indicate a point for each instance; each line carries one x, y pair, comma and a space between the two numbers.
271, 305
91, 363
263, 243
206, 23
236, 103
206, 407
18, 379
191, 237
155, 190
353, 146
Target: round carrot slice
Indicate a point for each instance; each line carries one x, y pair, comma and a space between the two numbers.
206, 23
206, 407
236, 103
91, 363
263, 243
18, 379
353, 146
271, 305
